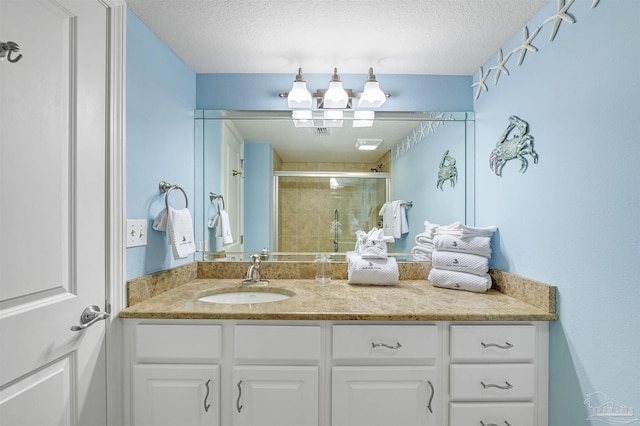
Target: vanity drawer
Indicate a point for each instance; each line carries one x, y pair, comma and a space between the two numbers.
417, 343
489, 343
492, 414
277, 342
492, 382
178, 343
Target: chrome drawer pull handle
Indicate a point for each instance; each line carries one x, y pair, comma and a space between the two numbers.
491, 385
207, 406
375, 345
487, 424
507, 345
430, 399
238, 406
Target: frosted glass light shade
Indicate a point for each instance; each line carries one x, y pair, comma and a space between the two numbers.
363, 118
333, 118
299, 96
302, 118
335, 96
372, 96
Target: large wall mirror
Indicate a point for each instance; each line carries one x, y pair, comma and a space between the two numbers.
303, 186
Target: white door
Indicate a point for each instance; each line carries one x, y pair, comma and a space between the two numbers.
53, 108
275, 396
383, 396
233, 184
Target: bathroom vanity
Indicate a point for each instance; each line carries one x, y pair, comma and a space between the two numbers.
336, 354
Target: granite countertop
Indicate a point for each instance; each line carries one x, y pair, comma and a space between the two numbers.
411, 300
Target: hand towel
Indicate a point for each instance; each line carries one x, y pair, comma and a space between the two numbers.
462, 262
421, 253
474, 245
373, 249
214, 221
180, 231
372, 271
459, 230
394, 219
224, 228
459, 280
160, 222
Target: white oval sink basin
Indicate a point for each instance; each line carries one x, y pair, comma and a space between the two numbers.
244, 297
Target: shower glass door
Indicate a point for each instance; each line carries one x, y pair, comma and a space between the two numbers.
321, 211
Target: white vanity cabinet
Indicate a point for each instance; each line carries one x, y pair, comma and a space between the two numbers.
386, 375
175, 377
498, 374
335, 373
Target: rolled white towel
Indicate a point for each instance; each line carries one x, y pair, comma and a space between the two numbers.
430, 227
421, 253
459, 230
474, 245
462, 262
460, 280
424, 239
372, 271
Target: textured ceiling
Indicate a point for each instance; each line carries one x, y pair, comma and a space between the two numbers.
451, 37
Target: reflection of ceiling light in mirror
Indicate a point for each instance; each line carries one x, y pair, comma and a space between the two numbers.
333, 118
363, 118
372, 96
302, 118
334, 184
299, 96
367, 144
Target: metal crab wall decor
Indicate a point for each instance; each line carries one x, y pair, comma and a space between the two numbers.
516, 147
447, 171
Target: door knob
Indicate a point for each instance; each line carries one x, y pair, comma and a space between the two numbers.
90, 316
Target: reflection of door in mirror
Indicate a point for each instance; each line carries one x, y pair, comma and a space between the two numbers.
321, 211
232, 184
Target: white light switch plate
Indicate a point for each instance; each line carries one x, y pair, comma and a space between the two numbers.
136, 232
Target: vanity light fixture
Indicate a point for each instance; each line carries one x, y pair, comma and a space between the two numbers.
299, 96
364, 144
336, 96
373, 96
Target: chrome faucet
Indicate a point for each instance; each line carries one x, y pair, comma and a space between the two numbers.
253, 273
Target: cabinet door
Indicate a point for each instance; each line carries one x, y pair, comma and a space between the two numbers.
383, 396
275, 396
178, 394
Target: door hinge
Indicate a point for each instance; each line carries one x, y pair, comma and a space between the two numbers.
241, 239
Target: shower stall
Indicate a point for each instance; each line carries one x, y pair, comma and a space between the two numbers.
321, 211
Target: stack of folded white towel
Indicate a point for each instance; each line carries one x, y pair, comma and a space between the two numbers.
179, 228
460, 257
369, 263
424, 242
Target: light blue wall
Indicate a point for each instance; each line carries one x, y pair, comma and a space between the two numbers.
258, 172
260, 91
160, 111
415, 177
573, 220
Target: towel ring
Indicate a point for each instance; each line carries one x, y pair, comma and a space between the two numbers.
218, 197
167, 188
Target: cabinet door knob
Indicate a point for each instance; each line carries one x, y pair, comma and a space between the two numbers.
493, 385
506, 345
238, 406
396, 346
207, 406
